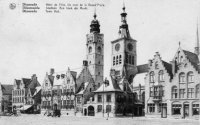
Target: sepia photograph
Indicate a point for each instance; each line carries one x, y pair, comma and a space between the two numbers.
99, 62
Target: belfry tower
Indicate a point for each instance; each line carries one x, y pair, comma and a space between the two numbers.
95, 52
124, 56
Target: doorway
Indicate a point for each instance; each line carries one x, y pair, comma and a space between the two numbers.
164, 112
85, 112
90, 111
186, 110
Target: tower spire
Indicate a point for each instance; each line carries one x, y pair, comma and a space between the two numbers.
123, 28
197, 49
95, 15
94, 26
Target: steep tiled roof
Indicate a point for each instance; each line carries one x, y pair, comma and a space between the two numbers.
51, 79
193, 58
38, 89
112, 87
142, 68
32, 91
73, 73
81, 80
168, 68
7, 89
26, 82
34, 83
18, 81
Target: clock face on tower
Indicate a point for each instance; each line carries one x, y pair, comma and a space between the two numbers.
130, 47
117, 47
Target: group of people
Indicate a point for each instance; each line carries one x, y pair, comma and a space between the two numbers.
53, 113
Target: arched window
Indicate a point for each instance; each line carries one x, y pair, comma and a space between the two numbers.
90, 49
182, 77
129, 59
133, 60
156, 65
120, 59
152, 77
126, 57
197, 91
99, 49
161, 76
113, 60
190, 77
117, 60
174, 92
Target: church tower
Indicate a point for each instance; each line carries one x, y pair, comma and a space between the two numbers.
124, 56
95, 52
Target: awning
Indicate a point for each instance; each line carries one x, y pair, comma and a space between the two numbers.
25, 107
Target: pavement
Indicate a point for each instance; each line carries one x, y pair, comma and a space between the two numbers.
38, 119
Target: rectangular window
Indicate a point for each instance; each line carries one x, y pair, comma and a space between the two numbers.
151, 107
190, 92
23, 99
151, 91
108, 98
108, 108
99, 98
99, 108
174, 93
182, 93
72, 102
156, 91
195, 109
176, 109
78, 100
64, 102
68, 102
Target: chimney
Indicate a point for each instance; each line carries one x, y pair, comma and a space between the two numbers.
52, 71
34, 77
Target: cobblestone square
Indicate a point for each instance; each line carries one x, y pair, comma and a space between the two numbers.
72, 120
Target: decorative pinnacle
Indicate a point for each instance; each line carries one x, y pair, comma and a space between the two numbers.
95, 15
123, 6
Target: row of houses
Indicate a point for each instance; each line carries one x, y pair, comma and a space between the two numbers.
154, 89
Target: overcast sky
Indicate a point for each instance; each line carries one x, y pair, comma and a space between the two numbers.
34, 43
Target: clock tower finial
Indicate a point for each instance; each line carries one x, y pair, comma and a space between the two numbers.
94, 26
123, 28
